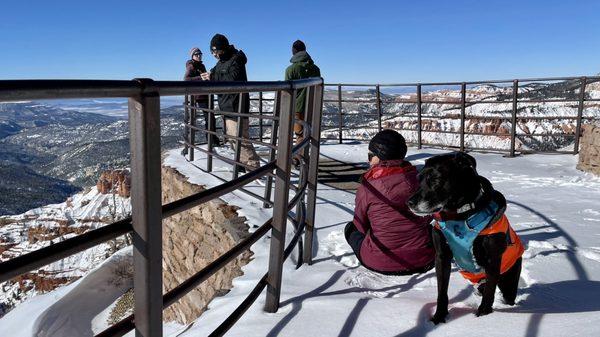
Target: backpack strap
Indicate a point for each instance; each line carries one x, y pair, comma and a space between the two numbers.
405, 212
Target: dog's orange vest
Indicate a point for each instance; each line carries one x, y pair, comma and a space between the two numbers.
514, 249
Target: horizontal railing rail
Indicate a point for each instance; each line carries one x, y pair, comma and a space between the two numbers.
148, 213
506, 81
19, 90
511, 110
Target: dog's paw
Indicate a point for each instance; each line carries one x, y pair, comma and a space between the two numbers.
439, 318
482, 311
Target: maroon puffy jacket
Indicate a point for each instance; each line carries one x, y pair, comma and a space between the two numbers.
392, 242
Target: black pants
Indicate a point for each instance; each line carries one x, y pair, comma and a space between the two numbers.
355, 239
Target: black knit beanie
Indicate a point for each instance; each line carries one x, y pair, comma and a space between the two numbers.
388, 145
219, 42
298, 46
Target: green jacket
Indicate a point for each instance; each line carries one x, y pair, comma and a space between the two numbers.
302, 67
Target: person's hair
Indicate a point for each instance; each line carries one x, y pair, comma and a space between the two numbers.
388, 145
298, 46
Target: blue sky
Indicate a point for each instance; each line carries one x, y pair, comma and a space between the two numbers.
352, 41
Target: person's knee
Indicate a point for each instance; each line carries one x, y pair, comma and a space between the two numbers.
349, 229
298, 129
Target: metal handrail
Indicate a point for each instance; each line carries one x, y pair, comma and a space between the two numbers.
231, 113
44, 256
410, 84
125, 325
144, 111
18, 90
260, 286
461, 104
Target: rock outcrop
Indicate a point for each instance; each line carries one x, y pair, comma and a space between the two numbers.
115, 181
191, 240
589, 149
48, 233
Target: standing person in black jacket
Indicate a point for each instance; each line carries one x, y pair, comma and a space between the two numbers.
194, 69
232, 67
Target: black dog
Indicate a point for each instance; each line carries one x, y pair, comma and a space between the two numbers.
471, 227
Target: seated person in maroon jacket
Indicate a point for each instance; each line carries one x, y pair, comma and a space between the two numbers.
385, 235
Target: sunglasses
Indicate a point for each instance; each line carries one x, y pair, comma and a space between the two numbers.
370, 155
197, 54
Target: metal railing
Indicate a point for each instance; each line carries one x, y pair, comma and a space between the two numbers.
147, 211
516, 95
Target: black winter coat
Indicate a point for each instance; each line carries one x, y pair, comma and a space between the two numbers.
231, 68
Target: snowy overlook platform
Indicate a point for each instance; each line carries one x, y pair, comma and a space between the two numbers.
553, 207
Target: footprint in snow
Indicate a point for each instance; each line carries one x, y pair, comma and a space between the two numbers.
336, 245
591, 211
592, 253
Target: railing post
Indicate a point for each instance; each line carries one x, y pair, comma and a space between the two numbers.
513, 120
210, 127
238, 142
303, 170
280, 212
419, 118
260, 112
186, 114
463, 98
274, 130
580, 114
144, 133
378, 108
192, 133
341, 120
313, 170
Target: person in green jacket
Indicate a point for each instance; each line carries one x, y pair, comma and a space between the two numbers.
302, 67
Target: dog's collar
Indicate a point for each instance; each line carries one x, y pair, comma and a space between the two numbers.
470, 206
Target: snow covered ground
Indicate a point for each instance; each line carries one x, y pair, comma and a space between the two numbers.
553, 207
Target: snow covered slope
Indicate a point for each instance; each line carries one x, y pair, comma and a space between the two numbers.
43, 226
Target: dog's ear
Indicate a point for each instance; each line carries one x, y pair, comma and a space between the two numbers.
465, 160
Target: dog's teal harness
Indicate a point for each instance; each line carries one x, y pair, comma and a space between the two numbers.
460, 235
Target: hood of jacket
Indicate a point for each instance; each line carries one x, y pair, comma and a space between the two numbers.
388, 167
300, 57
